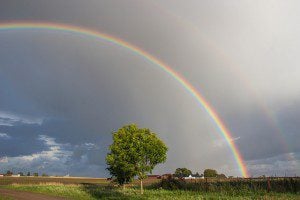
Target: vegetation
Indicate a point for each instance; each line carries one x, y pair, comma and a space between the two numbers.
9, 173
233, 186
5, 198
134, 152
91, 192
7, 180
210, 173
221, 176
182, 172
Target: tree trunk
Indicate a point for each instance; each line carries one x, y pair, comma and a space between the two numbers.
142, 189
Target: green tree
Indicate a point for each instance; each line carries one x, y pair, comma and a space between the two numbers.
134, 152
221, 176
197, 175
210, 173
182, 172
9, 173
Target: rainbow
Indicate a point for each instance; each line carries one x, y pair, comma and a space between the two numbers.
234, 69
33, 25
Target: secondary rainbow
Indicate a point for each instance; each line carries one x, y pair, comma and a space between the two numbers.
33, 25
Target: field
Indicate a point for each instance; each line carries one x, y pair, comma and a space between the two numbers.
92, 188
7, 180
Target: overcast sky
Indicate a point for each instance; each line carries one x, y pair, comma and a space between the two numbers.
61, 95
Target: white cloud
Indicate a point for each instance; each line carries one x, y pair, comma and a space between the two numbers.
4, 136
4, 159
48, 140
55, 160
10, 119
54, 155
90, 146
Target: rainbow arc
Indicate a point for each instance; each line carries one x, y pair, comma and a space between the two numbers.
29, 25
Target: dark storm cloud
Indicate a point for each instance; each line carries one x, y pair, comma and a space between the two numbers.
22, 137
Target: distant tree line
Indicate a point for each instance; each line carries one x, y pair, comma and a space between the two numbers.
10, 173
208, 173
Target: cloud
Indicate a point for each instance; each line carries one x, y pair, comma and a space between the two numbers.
56, 159
48, 141
4, 136
277, 165
4, 159
55, 154
11, 119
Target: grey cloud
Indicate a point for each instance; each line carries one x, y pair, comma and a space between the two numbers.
78, 90
4, 136
279, 165
11, 119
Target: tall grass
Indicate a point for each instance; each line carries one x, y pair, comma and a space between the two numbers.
7, 180
165, 189
93, 192
232, 186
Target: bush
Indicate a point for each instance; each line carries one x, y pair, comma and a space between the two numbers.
232, 186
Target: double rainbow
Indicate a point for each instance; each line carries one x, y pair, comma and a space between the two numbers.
20, 25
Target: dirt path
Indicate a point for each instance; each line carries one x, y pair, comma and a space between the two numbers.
22, 195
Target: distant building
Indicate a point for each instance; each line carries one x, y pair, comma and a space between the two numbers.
15, 175
1, 175
189, 177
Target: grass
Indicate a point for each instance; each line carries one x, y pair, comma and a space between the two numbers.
5, 198
92, 191
90, 188
233, 186
7, 180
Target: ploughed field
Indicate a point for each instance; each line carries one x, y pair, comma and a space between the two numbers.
100, 188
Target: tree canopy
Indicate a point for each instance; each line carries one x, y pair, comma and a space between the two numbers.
210, 173
134, 152
182, 172
221, 176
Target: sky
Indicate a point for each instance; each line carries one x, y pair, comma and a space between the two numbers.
62, 94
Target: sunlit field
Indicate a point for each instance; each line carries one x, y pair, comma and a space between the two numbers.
88, 188
60, 180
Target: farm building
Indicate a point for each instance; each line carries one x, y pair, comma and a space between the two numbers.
189, 177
